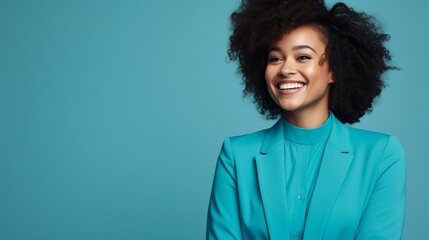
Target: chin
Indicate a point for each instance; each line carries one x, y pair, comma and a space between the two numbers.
289, 107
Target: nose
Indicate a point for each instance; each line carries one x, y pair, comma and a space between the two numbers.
288, 68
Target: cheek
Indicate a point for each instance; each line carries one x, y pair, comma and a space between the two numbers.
269, 75
316, 69
320, 73
269, 78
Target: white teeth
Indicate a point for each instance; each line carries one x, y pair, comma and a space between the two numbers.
286, 86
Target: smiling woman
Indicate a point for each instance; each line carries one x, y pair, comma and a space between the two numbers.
309, 176
297, 77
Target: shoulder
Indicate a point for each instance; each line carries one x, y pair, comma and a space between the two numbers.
245, 143
383, 146
249, 145
240, 149
365, 137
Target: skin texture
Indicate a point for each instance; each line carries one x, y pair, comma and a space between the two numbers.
299, 58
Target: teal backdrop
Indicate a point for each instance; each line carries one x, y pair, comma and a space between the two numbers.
112, 114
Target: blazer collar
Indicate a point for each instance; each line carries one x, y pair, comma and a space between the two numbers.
273, 137
339, 136
272, 180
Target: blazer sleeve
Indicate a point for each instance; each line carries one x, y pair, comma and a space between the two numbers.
384, 215
223, 214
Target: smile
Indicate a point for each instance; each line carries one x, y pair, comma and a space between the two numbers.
289, 86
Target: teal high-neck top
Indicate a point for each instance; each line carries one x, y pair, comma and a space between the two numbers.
303, 154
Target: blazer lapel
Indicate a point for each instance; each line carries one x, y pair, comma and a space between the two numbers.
271, 179
334, 167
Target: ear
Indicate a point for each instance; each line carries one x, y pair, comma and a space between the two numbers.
323, 60
331, 80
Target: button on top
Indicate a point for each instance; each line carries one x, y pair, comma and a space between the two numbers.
300, 197
297, 233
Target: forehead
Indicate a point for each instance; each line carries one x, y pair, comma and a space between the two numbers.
303, 35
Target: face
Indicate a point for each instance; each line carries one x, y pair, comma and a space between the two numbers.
297, 74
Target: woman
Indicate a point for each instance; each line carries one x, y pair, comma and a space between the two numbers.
309, 176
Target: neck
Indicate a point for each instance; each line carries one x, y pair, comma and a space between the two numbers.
306, 119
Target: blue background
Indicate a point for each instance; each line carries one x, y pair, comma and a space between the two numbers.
112, 114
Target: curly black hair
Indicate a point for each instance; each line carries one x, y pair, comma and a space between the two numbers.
355, 51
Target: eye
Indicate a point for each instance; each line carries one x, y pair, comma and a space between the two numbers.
274, 59
303, 58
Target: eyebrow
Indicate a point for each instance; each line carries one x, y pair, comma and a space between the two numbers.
302, 47
297, 47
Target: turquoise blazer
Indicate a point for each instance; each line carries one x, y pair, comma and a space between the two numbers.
359, 193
